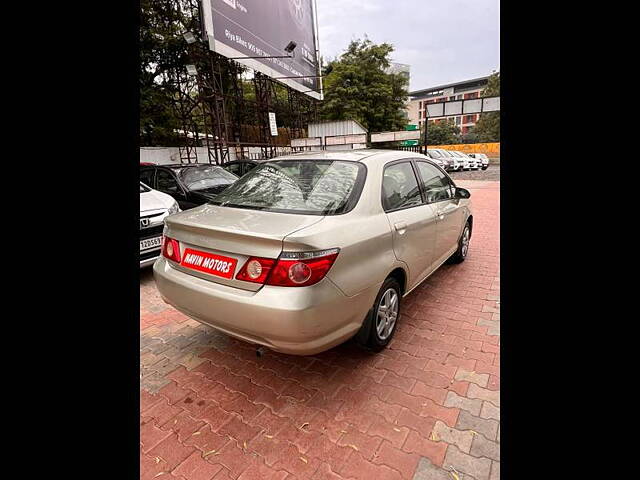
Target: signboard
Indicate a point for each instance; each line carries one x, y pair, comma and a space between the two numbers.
491, 104
382, 137
395, 136
435, 110
306, 142
263, 28
346, 139
458, 107
453, 108
272, 124
472, 106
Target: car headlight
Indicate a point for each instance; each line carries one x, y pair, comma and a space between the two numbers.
174, 208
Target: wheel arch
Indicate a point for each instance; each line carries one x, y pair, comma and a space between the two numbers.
401, 276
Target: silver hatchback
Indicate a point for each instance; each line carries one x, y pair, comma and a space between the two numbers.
309, 250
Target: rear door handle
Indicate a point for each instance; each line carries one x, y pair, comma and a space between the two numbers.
400, 227
440, 214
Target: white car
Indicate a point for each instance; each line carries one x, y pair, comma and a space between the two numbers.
482, 158
468, 162
155, 206
437, 161
451, 162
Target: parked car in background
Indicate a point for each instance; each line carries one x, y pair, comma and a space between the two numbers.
154, 208
482, 158
468, 163
441, 162
308, 250
451, 163
190, 184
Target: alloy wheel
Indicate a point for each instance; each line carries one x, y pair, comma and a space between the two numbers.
465, 241
387, 314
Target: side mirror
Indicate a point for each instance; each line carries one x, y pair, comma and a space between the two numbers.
462, 193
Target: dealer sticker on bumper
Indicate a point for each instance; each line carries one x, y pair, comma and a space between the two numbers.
209, 263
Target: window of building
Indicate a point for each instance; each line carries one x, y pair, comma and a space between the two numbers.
458, 120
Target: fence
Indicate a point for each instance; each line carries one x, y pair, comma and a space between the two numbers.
168, 155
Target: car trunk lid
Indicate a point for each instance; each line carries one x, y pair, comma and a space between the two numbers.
228, 236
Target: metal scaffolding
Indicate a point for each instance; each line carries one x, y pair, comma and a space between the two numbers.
213, 103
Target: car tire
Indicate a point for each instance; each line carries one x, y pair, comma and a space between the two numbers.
377, 330
463, 245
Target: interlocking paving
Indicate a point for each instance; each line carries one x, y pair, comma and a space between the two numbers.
427, 407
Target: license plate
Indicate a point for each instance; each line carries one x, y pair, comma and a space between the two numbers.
149, 243
209, 263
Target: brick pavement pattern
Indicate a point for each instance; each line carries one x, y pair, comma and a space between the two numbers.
427, 407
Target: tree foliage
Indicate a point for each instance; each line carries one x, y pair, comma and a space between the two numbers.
357, 87
161, 47
487, 129
443, 133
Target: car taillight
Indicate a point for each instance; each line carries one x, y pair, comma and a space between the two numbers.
256, 270
170, 248
291, 269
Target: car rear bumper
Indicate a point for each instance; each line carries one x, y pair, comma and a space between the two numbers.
299, 321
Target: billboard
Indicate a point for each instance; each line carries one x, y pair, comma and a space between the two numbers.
263, 28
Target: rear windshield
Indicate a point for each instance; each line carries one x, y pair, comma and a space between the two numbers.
206, 177
313, 187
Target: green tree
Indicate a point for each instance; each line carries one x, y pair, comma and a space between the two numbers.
161, 43
488, 127
357, 87
442, 133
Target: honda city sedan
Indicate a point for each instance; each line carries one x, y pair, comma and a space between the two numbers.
309, 250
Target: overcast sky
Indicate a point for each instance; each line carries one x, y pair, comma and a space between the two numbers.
443, 40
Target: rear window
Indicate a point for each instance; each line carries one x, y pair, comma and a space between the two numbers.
206, 177
314, 187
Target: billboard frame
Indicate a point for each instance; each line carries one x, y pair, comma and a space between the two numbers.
254, 64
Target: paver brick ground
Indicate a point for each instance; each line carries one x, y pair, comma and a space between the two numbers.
427, 406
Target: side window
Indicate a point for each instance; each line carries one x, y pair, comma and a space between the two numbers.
400, 187
436, 185
166, 182
146, 176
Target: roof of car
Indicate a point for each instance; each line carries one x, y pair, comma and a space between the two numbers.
364, 155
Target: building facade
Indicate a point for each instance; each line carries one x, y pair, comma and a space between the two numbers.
401, 69
468, 89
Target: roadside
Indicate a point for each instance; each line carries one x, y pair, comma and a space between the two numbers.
492, 173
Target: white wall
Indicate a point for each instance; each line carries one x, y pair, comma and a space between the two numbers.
161, 155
